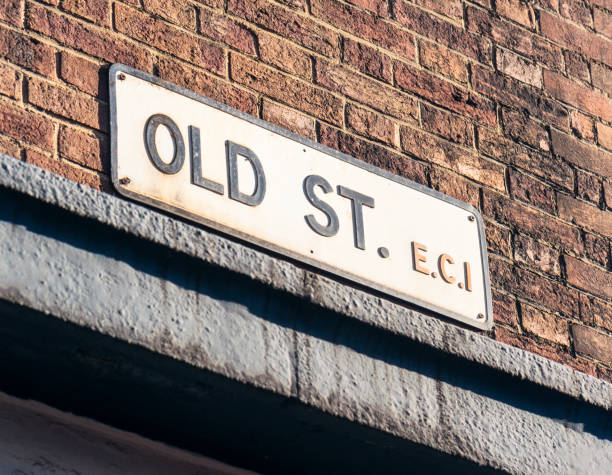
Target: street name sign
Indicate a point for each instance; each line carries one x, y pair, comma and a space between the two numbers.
190, 155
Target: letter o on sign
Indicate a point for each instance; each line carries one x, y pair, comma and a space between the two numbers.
177, 139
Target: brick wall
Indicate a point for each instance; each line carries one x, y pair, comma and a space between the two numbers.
504, 104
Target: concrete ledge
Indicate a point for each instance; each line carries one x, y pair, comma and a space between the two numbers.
153, 281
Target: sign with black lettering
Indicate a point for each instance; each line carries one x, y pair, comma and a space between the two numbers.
192, 156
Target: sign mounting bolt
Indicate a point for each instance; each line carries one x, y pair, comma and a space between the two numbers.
124, 181
471, 217
480, 316
121, 76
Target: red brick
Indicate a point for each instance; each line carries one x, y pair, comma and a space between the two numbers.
287, 89
518, 67
532, 221
88, 76
364, 25
576, 66
595, 311
444, 93
504, 309
516, 94
368, 60
447, 33
449, 126
604, 136
10, 82
374, 154
582, 126
530, 190
285, 55
179, 12
498, 239
27, 52
68, 103
208, 85
581, 154
450, 8
588, 186
596, 248
512, 153
534, 288
462, 161
295, 4
97, 11
577, 11
592, 343
545, 325
288, 24
444, 61
68, 170
577, 95
607, 188
83, 37
535, 254
593, 279
517, 10
585, 214
520, 127
169, 38
289, 119
31, 127
603, 22
454, 185
366, 91
548, 4
602, 77
380, 7
576, 38
603, 3
12, 12
220, 28
548, 351
512, 37
9, 147
370, 124
88, 149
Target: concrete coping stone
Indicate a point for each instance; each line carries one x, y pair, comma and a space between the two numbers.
276, 272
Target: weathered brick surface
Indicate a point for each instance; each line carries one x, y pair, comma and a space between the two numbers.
27, 52
287, 23
449, 126
585, 214
444, 93
363, 89
581, 154
88, 76
364, 25
10, 81
505, 104
444, 61
169, 38
21, 124
284, 55
592, 343
11, 12
97, 11
289, 119
370, 124
286, 89
67, 103
366, 59
545, 325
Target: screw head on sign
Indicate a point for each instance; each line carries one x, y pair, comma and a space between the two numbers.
471, 217
121, 76
124, 181
480, 316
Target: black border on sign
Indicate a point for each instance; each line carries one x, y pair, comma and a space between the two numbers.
118, 68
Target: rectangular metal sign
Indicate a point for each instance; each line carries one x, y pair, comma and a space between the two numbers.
187, 154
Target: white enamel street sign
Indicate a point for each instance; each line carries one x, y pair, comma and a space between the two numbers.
194, 157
